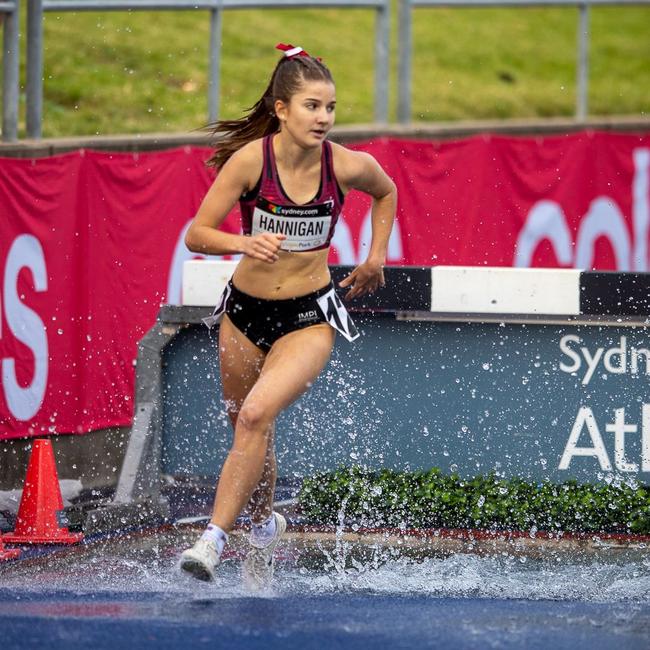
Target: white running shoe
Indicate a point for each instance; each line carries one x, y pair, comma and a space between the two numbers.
259, 562
201, 560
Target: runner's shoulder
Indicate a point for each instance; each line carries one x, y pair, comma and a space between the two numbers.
350, 165
249, 154
247, 163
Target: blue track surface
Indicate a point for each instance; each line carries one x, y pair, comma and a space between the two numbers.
63, 620
127, 592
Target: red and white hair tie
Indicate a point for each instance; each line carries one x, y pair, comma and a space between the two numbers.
292, 50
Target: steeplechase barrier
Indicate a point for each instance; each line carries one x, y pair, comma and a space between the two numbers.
533, 373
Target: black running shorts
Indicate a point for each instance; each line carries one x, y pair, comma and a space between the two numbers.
263, 321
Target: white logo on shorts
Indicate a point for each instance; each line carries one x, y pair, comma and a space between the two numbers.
305, 316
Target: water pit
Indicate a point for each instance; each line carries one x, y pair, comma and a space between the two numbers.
334, 589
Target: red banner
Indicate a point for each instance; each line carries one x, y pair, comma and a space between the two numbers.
91, 244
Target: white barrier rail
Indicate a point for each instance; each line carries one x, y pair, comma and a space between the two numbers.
476, 291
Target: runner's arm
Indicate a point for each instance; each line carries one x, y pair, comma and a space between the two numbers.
204, 236
363, 172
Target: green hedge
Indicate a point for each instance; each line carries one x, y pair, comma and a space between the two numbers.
432, 500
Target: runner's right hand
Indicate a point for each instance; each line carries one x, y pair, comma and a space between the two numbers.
264, 246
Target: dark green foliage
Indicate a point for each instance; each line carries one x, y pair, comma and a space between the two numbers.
434, 500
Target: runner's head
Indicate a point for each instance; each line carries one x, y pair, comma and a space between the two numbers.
293, 71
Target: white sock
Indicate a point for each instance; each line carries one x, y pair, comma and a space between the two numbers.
263, 534
215, 534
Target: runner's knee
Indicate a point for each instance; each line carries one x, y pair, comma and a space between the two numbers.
254, 418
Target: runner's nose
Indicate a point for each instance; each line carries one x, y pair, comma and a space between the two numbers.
323, 116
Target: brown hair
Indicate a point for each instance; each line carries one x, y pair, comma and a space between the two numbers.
286, 81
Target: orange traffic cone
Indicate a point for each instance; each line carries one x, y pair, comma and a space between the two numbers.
7, 554
41, 519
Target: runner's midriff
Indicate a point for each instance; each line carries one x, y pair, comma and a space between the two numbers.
294, 274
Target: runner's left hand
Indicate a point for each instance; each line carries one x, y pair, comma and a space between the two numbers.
365, 278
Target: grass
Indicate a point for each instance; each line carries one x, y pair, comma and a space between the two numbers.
139, 72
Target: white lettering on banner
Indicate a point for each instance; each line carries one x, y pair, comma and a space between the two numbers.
597, 449
645, 438
585, 416
603, 219
26, 325
619, 429
615, 360
641, 209
546, 221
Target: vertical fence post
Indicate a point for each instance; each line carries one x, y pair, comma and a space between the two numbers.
582, 72
382, 62
214, 69
404, 50
34, 68
10, 74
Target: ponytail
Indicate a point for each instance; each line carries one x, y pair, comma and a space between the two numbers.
260, 119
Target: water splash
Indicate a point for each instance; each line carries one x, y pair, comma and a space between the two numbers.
150, 566
485, 577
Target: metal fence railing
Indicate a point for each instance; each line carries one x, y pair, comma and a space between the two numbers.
34, 64
216, 8
405, 46
10, 70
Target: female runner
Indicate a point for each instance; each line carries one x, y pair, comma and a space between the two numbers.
279, 313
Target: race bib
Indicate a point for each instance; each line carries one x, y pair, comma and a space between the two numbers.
337, 315
305, 227
219, 309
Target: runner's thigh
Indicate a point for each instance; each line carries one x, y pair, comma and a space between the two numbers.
292, 365
240, 362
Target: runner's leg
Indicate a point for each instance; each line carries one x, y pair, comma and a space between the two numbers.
292, 365
260, 506
241, 363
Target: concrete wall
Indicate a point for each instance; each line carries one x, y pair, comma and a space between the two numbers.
351, 133
94, 458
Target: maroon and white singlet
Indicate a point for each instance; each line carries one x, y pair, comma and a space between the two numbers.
307, 226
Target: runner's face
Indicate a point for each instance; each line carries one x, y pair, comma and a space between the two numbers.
309, 116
